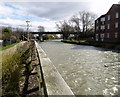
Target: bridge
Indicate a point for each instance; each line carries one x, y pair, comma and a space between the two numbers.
41, 33
53, 32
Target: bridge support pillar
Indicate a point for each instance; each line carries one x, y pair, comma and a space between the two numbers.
40, 37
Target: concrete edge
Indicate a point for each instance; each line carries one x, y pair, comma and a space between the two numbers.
55, 84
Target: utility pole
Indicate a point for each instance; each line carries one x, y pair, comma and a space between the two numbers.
28, 35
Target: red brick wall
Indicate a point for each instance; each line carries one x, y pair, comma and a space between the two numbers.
112, 21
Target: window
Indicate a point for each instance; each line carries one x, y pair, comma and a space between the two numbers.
103, 19
116, 25
108, 35
102, 37
96, 37
102, 27
108, 26
116, 35
97, 21
103, 22
97, 28
117, 15
108, 17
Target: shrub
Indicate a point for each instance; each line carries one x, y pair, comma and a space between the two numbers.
12, 60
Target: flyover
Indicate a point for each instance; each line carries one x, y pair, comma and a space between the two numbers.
41, 33
53, 32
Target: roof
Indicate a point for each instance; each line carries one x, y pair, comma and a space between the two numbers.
114, 5
100, 17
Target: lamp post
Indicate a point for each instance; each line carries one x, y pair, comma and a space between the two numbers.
28, 36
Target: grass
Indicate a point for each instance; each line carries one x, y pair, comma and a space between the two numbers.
12, 69
11, 73
81, 42
8, 46
109, 45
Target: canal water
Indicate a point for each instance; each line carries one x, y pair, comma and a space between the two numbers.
88, 70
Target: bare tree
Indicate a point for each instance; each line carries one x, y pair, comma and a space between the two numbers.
19, 32
76, 22
81, 22
87, 20
65, 26
77, 25
84, 21
41, 29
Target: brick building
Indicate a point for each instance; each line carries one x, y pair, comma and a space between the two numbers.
107, 26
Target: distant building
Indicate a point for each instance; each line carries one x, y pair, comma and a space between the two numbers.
107, 26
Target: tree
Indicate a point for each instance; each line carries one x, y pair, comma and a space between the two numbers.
41, 29
66, 28
84, 22
19, 34
48, 37
6, 34
76, 22
87, 20
10, 35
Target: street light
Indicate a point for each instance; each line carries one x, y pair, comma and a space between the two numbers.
28, 29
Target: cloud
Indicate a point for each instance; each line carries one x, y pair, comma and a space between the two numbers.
52, 10
33, 24
16, 12
40, 13
5, 10
15, 16
45, 0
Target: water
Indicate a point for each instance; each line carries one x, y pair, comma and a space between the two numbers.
87, 70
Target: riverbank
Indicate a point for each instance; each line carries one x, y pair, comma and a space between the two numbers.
11, 61
19, 77
108, 45
8, 46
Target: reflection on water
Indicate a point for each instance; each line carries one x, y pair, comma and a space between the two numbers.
87, 70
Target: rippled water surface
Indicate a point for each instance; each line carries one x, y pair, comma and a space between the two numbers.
87, 70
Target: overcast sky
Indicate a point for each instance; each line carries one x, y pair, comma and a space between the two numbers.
15, 12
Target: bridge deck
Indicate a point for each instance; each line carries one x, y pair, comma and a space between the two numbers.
52, 32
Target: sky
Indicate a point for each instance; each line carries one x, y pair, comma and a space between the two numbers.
47, 13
